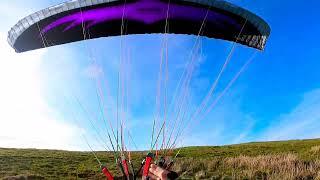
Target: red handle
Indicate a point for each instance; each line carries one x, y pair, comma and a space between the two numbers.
106, 172
125, 167
146, 167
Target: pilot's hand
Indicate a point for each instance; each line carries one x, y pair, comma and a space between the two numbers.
158, 173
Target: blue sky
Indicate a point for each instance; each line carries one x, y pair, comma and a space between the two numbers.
276, 98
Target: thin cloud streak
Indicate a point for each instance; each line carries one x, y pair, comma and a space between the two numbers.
302, 122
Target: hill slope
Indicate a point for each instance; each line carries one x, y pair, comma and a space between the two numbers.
271, 160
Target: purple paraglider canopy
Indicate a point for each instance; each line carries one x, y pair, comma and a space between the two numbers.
64, 23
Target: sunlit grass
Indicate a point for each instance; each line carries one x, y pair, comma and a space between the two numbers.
271, 160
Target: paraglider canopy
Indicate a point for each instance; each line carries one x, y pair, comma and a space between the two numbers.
65, 23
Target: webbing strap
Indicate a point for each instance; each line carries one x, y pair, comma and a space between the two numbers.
106, 172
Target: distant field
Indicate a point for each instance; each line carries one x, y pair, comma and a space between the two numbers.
269, 160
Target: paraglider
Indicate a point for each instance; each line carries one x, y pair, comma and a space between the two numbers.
80, 20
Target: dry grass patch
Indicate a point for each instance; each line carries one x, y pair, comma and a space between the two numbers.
315, 150
286, 166
282, 166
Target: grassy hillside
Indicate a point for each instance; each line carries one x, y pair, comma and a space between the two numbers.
271, 160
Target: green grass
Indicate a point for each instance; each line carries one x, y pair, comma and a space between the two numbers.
298, 159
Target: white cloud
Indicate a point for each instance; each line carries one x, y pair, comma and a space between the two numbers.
301, 123
11, 11
26, 120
